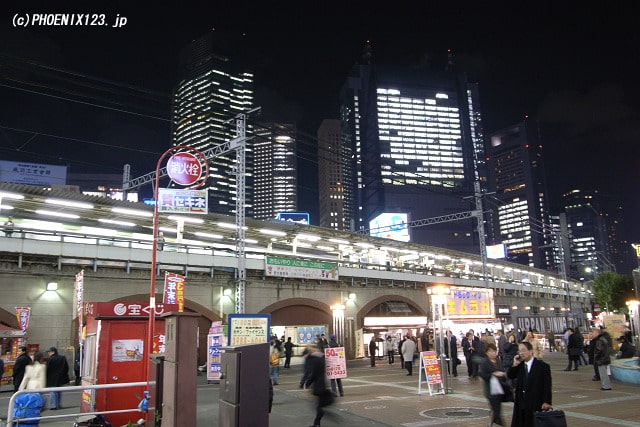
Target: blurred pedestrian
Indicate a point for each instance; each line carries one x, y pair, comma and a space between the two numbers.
626, 348
336, 383
451, 351
509, 351
22, 361
8, 227
372, 350
538, 350
317, 376
288, 352
57, 376
35, 374
408, 349
160, 241
491, 371
602, 357
389, 349
274, 362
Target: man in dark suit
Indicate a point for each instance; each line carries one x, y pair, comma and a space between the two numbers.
533, 386
451, 351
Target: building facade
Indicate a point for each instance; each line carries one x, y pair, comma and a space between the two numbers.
334, 178
417, 143
275, 170
516, 175
211, 91
588, 239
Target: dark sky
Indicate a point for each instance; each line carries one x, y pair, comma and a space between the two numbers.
570, 68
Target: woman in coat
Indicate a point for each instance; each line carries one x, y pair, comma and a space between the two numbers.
35, 375
491, 367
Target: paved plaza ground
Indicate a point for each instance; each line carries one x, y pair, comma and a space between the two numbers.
386, 396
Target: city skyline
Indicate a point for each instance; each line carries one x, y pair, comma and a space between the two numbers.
572, 78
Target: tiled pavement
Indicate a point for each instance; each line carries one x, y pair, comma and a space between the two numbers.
385, 396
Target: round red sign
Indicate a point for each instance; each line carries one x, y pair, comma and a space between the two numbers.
184, 168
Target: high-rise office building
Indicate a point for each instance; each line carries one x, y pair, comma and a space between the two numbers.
516, 175
334, 177
589, 243
275, 169
417, 145
212, 90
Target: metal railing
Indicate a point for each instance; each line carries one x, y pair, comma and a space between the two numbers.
11, 420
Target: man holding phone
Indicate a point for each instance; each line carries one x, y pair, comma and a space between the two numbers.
533, 386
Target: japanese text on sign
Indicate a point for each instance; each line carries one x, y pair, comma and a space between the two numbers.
336, 362
182, 201
248, 329
431, 367
470, 303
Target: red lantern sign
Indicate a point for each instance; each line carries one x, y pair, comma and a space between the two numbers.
184, 168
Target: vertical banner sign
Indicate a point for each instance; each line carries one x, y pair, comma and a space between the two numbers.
214, 354
174, 290
22, 314
336, 362
79, 292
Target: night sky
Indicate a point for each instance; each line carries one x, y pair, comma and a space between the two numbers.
573, 72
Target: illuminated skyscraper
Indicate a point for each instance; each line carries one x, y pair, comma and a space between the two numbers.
588, 240
516, 174
275, 166
418, 146
334, 178
212, 90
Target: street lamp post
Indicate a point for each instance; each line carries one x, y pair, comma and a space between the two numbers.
438, 296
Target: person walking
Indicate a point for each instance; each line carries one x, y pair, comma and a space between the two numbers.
160, 241
551, 340
336, 383
602, 358
538, 349
22, 361
35, 374
582, 360
306, 372
573, 350
451, 351
466, 350
408, 349
491, 368
402, 340
509, 351
29, 405
533, 386
501, 340
8, 227
477, 353
372, 350
288, 352
57, 376
389, 349
274, 362
317, 376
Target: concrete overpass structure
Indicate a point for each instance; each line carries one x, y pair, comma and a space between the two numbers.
374, 278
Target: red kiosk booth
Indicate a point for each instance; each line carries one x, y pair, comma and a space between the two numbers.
115, 334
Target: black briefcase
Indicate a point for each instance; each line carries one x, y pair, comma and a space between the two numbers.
550, 419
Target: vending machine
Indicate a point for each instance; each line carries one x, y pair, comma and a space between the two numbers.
114, 346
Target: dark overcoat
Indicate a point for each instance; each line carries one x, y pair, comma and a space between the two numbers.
532, 390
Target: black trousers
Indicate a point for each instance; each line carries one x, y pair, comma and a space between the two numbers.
409, 366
